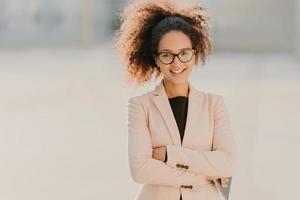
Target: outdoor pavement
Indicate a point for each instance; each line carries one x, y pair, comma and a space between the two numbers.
63, 123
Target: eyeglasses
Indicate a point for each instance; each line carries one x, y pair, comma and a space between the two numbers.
184, 56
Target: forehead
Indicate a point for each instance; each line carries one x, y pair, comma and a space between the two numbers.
174, 40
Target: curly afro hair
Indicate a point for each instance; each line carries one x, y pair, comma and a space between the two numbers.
144, 22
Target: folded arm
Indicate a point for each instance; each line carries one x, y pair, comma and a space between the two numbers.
221, 161
143, 168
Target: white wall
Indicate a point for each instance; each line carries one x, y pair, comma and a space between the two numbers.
252, 25
297, 30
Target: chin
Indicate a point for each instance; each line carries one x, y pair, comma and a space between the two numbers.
177, 81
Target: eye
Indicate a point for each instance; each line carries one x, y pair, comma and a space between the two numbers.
184, 53
166, 55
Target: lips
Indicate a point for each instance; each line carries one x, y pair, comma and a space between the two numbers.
177, 71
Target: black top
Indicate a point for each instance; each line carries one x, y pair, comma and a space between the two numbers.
179, 105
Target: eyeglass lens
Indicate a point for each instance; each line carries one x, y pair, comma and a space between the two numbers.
183, 56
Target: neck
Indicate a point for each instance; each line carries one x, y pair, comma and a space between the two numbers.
174, 90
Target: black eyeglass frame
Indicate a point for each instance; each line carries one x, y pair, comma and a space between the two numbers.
175, 55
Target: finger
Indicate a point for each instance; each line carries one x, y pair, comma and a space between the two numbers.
223, 180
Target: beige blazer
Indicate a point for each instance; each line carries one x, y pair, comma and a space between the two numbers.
208, 148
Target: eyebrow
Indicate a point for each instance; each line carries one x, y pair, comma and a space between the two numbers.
178, 49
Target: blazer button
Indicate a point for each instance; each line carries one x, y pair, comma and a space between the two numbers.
183, 186
186, 167
180, 166
190, 186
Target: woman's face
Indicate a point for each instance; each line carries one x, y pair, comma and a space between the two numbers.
179, 70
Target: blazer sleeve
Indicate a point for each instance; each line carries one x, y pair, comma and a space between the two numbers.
143, 168
221, 161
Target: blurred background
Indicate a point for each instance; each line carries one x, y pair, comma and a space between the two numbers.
63, 98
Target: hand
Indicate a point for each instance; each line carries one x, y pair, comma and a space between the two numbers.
224, 181
159, 153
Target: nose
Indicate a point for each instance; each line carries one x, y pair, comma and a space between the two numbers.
176, 61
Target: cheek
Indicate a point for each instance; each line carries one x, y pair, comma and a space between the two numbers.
159, 64
193, 61
164, 69
192, 64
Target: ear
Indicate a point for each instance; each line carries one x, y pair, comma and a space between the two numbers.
196, 60
155, 60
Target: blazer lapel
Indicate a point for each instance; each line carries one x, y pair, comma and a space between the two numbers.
161, 101
192, 116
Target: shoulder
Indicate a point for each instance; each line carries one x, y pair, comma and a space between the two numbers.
138, 98
137, 105
138, 101
213, 101
211, 97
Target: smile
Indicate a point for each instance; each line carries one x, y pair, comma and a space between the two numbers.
177, 72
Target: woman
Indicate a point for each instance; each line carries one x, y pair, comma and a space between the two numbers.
179, 138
